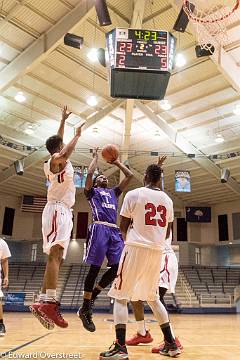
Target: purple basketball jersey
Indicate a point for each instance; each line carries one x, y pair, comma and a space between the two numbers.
104, 202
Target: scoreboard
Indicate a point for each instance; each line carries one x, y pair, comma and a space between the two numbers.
140, 62
141, 49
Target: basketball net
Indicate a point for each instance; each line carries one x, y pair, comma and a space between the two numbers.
210, 19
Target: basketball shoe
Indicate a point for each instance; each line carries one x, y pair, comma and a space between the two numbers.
86, 316
51, 311
139, 339
34, 308
116, 352
156, 349
2, 329
170, 349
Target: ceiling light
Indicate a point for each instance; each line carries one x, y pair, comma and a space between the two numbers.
165, 105
219, 139
180, 60
20, 97
92, 100
29, 131
236, 110
93, 55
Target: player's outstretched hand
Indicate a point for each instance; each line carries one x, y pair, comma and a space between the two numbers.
65, 113
114, 162
79, 129
161, 160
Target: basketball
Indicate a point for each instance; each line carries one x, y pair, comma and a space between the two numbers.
110, 153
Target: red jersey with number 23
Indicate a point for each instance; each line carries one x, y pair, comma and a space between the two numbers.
150, 211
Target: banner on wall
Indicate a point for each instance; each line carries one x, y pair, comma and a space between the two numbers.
182, 181
15, 298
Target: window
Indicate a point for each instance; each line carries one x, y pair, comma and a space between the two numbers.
236, 226
82, 225
181, 229
8, 219
34, 252
223, 227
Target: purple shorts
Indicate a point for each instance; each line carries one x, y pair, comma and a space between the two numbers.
103, 241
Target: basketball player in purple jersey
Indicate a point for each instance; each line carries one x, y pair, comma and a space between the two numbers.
104, 237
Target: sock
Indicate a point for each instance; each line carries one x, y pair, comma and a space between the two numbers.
121, 334
86, 304
42, 297
95, 293
1, 321
51, 295
172, 331
141, 328
166, 329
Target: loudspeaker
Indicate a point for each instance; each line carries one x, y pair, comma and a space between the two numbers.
200, 52
182, 19
18, 164
101, 57
225, 173
102, 13
73, 40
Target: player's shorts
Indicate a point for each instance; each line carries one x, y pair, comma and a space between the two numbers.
102, 241
138, 274
56, 226
169, 272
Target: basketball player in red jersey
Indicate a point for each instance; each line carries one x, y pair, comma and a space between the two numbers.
56, 222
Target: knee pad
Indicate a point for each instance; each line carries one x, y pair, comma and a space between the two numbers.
159, 311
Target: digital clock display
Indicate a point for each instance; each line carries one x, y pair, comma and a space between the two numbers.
143, 49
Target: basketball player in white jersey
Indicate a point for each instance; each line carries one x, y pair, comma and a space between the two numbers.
146, 219
167, 282
56, 222
4, 255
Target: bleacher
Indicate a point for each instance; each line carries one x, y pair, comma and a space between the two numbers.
196, 286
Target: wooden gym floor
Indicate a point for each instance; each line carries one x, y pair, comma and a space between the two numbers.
205, 337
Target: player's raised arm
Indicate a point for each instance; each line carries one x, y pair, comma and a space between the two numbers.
5, 272
64, 154
92, 167
65, 115
128, 174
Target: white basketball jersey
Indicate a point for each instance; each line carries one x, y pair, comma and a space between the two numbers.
61, 186
4, 253
150, 211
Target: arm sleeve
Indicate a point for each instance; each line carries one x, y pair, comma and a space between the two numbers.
5, 251
129, 204
171, 212
117, 191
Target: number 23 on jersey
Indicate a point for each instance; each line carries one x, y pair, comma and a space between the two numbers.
155, 215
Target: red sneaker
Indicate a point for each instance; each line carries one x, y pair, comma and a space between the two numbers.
139, 339
160, 347
51, 310
34, 308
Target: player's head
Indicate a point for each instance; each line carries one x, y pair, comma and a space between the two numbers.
100, 181
54, 144
153, 175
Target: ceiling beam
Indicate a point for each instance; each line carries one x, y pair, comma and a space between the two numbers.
185, 146
41, 47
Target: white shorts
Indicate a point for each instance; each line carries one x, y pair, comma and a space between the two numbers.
56, 226
138, 274
169, 272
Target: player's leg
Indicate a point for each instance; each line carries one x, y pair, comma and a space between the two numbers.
2, 326
118, 351
96, 250
170, 348
143, 335
162, 293
105, 280
85, 311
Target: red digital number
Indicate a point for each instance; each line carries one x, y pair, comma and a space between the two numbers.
152, 212
122, 60
164, 63
122, 46
163, 50
157, 49
129, 47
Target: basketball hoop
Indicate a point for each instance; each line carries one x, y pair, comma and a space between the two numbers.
210, 19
